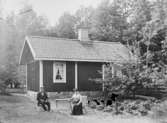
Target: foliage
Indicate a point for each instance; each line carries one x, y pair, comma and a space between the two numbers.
29, 23
12, 83
13, 30
65, 28
139, 24
136, 79
84, 17
2, 88
110, 21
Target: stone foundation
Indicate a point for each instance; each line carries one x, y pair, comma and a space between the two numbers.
62, 104
69, 94
33, 94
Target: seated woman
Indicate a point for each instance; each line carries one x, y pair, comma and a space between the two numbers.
76, 103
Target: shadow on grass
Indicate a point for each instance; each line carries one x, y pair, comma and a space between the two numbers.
10, 98
5, 94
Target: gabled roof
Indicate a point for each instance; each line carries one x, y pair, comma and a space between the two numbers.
49, 48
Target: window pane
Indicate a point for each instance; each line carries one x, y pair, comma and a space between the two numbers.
58, 75
59, 72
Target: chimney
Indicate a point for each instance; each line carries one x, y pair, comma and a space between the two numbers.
83, 34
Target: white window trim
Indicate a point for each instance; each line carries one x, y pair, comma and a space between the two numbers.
113, 71
76, 75
64, 79
103, 71
26, 78
103, 74
40, 74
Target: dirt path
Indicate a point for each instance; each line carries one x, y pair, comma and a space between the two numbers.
19, 109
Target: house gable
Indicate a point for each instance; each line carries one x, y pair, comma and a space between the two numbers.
26, 55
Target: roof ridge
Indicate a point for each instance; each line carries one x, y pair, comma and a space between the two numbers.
50, 37
106, 42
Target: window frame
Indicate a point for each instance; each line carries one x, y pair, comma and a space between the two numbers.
104, 70
55, 72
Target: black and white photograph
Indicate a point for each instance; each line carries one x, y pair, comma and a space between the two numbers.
83, 61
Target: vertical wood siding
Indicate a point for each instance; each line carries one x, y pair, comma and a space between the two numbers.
58, 87
33, 76
88, 71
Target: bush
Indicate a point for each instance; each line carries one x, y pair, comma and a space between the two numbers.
160, 109
3, 88
13, 83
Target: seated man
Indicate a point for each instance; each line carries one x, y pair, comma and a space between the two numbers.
76, 102
42, 99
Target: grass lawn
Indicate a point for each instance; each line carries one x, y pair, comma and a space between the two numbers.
20, 109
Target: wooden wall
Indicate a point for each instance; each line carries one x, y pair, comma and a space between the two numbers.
58, 87
86, 71
33, 76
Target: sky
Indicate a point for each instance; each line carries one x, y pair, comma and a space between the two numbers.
52, 9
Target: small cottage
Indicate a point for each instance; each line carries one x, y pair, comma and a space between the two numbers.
60, 65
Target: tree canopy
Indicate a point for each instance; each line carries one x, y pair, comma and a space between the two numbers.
141, 25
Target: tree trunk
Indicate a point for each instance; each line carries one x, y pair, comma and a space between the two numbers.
147, 53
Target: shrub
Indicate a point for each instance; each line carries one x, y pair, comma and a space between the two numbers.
3, 88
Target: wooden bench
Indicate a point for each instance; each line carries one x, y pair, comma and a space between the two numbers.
65, 103
84, 103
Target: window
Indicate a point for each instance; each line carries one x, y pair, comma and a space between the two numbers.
108, 71
119, 73
59, 72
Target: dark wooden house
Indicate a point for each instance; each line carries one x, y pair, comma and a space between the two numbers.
63, 64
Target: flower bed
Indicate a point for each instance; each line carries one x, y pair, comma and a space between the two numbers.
134, 107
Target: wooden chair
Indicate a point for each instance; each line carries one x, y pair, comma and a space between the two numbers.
84, 103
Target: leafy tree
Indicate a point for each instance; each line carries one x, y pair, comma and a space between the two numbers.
102, 23
65, 27
13, 31
111, 20
138, 23
28, 23
159, 12
140, 14
136, 79
84, 16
